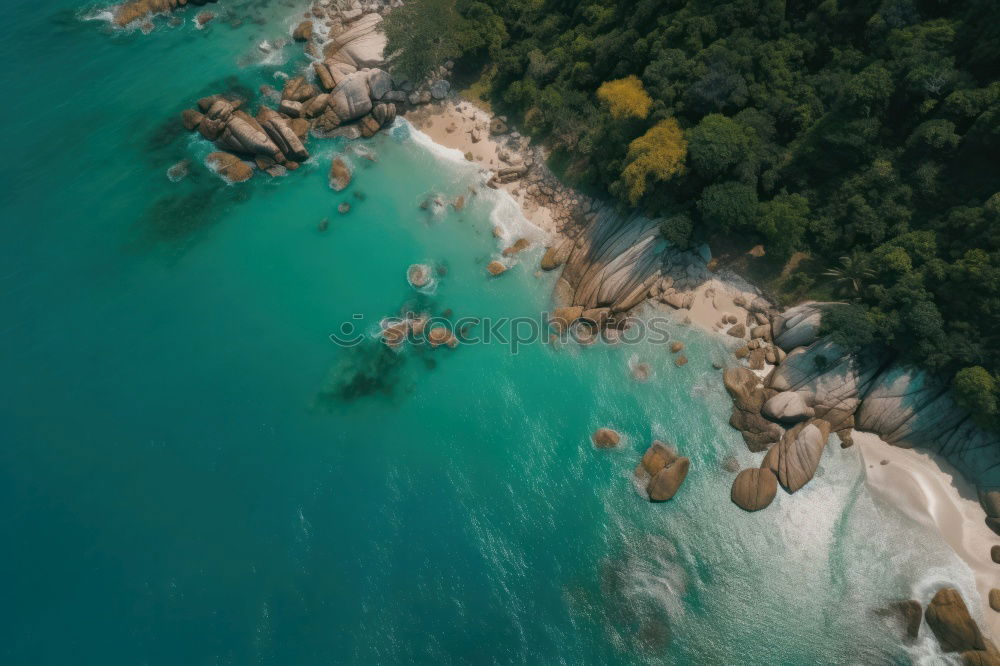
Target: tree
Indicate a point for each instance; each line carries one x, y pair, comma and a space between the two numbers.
852, 273
976, 390
423, 34
677, 229
783, 221
728, 206
848, 325
718, 143
625, 98
658, 155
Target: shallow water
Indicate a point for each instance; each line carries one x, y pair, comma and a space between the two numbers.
192, 472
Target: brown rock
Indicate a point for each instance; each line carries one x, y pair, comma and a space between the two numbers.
754, 489
340, 174
596, 316
980, 658
995, 554
440, 335
656, 457
191, 119
230, 167
949, 619
681, 360
995, 599
303, 31
606, 438
495, 268
737, 331
742, 385
676, 347
758, 432
563, 318
665, 483
519, 245
910, 613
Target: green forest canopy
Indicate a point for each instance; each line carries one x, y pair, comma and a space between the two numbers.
863, 133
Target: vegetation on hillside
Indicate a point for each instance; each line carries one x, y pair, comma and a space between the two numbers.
861, 134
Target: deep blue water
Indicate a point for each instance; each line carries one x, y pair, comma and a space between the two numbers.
184, 481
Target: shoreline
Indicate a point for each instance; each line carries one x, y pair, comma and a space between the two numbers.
920, 485
928, 490
460, 125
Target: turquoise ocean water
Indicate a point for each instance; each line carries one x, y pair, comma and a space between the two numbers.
192, 473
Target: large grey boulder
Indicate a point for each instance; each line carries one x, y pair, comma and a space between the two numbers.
351, 99
360, 45
244, 135
798, 326
379, 83
787, 407
830, 379
908, 408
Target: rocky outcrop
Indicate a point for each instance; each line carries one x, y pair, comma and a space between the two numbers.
134, 10
350, 99
277, 129
361, 44
949, 619
612, 263
754, 489
830, 379
798, 326
230, 167
787, 407
848, 389
796, 457
662, 471
340, 174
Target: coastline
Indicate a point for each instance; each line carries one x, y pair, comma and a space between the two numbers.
928, 490
919, 484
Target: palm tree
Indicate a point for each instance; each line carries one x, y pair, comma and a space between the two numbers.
852, 273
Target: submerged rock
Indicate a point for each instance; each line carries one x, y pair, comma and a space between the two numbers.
418, 275
949, 619
340, 174
605, 438
230, 167
495, 268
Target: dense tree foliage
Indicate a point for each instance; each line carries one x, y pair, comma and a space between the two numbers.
863, 135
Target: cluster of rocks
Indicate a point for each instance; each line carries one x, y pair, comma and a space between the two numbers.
345, 87
350, 33
129, 12
661, 472
817, 382
952, 625
395, 332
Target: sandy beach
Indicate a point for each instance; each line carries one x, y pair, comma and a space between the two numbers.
930, 491
461, 125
